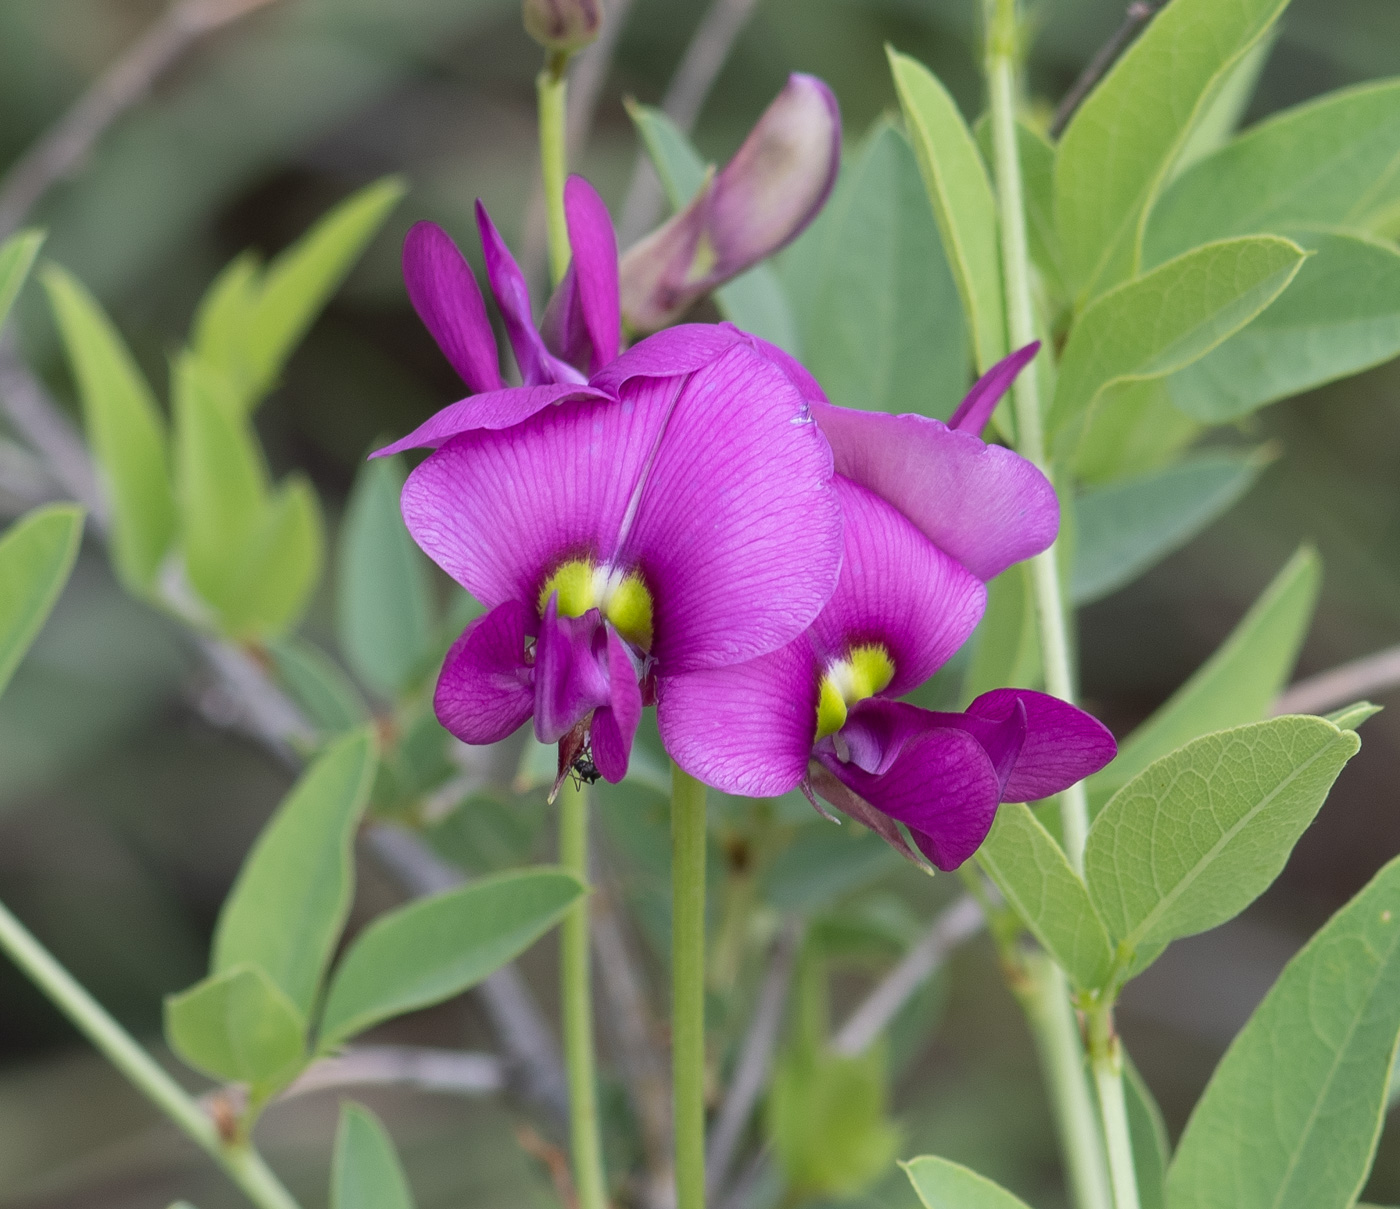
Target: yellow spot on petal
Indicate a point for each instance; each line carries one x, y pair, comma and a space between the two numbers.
831, 709
573, 581
866, 670
628, 606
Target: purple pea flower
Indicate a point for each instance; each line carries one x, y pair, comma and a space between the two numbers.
763, 199
931, 512
674, 516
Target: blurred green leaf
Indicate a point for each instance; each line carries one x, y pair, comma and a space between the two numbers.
125, 430
238, 1027
962, 199
1159, 323
1035, 877
293, 893
1126, 528
1327, 163
317, 684
284, 563
873, 295
824, 862
1291, 1117
1007, 646
293, 290
1351, 716
1341, 315
220, 332
1237, 684
1119, 149
944, 1185
16, 259
366, 1172
755, 301
1135, 430
383, 593
489, 831
1220, 119
437, 947
1200, 834
36, 557
1152, 1152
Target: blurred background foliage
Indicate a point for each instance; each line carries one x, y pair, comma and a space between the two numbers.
124, 812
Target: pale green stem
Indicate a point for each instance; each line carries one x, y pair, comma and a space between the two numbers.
688, 984
240, 1161
551, 89
590, 1182
1106, 1057
1045, 997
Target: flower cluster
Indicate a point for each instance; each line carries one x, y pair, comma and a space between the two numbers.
691, 523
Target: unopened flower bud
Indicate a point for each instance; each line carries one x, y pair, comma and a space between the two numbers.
763, 199
562, 25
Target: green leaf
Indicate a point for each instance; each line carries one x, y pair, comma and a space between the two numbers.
300, 281
874, 298
316, 682
1135, 430
437, 947
219, 335
293, 893
1291, 1117
1341, 315
16, 259
963, 202
1201, 833
1152, 1151
1221, 118
284, 562
1351, 716
238, 1027
366, 1172
125, 430
944, 1185
755, 301
1035, 878
1328, 163
1123, 142
1237, 684
1007, 650
1126, 528
385, 616
36, 557
1037, 155
1160, 323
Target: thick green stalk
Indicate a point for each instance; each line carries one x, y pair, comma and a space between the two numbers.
576, 994
688, 984
240, 1161
554, 158
1106, 1057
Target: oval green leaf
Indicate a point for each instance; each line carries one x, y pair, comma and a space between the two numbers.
944, 1185
1291, 1117
36, 558
16, 259
1200, 834
437, 947
366, 1172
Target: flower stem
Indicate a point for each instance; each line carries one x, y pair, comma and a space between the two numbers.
243, 1165
576, 993
1106, 1056
688, 984
551, 89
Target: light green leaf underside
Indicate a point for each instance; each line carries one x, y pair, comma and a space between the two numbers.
239, 1027
944, 1185
1151, 1149
1125, 528
1291, 1117
293, 893
1198, 835
436, 947
1235, 685
36, 557
365, 1170
318, 685
963, 203
1035, 878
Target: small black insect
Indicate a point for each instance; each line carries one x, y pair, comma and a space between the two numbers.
585, 769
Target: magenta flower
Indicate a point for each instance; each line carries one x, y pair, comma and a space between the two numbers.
675, 516
931, 512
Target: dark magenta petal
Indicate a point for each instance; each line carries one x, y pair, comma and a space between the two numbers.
1063, 744
571, 672
676, 351
737, 528
746, 729
985, 505
486, 689
493, 409
898, 589
615, 725
499, 509
941, 785
976, 409
537, 364
583, 324
445, 295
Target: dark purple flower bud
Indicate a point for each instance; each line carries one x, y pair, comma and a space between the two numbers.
562, 25
761, 201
